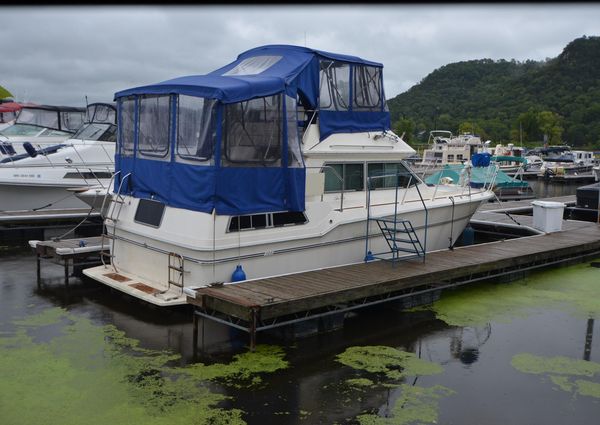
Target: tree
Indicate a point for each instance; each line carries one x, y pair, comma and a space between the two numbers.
550, 126
406, 126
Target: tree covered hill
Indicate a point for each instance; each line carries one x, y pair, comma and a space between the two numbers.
508, 101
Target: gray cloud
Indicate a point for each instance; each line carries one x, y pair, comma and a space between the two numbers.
58, 55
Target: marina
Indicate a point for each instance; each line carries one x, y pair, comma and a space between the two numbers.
274, 235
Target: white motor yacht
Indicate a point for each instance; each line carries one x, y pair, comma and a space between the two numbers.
448, 149
42, 179
280, 162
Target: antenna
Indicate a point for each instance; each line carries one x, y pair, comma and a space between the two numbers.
87, 109
304, 38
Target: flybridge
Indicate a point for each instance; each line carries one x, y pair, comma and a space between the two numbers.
229, 141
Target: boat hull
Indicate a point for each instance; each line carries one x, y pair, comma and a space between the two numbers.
144, 262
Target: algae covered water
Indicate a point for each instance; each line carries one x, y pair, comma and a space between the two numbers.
526, 352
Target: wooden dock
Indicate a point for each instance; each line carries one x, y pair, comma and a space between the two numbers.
263, 304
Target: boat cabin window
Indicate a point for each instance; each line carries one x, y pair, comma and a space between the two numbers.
386, 175
366, 89
252, 133
154, 119
263, 221
254, 65
196, 128
352, 175
149, 212
334, 85
126, 126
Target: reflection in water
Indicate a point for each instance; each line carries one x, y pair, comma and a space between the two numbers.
589, 333
465, 345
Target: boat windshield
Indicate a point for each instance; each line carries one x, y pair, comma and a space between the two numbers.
97, 131
22, 130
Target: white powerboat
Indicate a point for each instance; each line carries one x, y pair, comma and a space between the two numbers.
39, 128
43, 179
267, 166
447, 149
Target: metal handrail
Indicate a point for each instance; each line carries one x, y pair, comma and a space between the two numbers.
408, 185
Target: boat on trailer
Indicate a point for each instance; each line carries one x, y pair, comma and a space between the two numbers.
280, 162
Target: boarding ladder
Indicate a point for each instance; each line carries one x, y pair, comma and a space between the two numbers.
176, 271
114, 211
398, 232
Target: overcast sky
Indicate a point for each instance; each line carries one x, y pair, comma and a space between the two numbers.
58, 55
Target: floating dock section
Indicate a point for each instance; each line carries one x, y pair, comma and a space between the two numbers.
327, 294
78, 252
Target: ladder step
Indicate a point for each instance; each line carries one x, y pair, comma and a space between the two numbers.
397, 230
179, 269
175, 283
413, 251
411, 241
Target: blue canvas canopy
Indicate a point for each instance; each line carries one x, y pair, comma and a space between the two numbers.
229, 140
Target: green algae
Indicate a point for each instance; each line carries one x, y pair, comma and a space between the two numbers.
529, 363
416, 405
389, 361
243, 370
561, 371
575, 289
96, 375
360, 382
562, 382
46, 317
588, 388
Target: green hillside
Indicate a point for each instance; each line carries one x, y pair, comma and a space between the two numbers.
557, 99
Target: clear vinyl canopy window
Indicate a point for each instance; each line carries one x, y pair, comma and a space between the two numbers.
196, 128
71, 121
154, 119
334, 85
126, 126
252, 133
101, 113
254, 65
39, 117
366, 91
